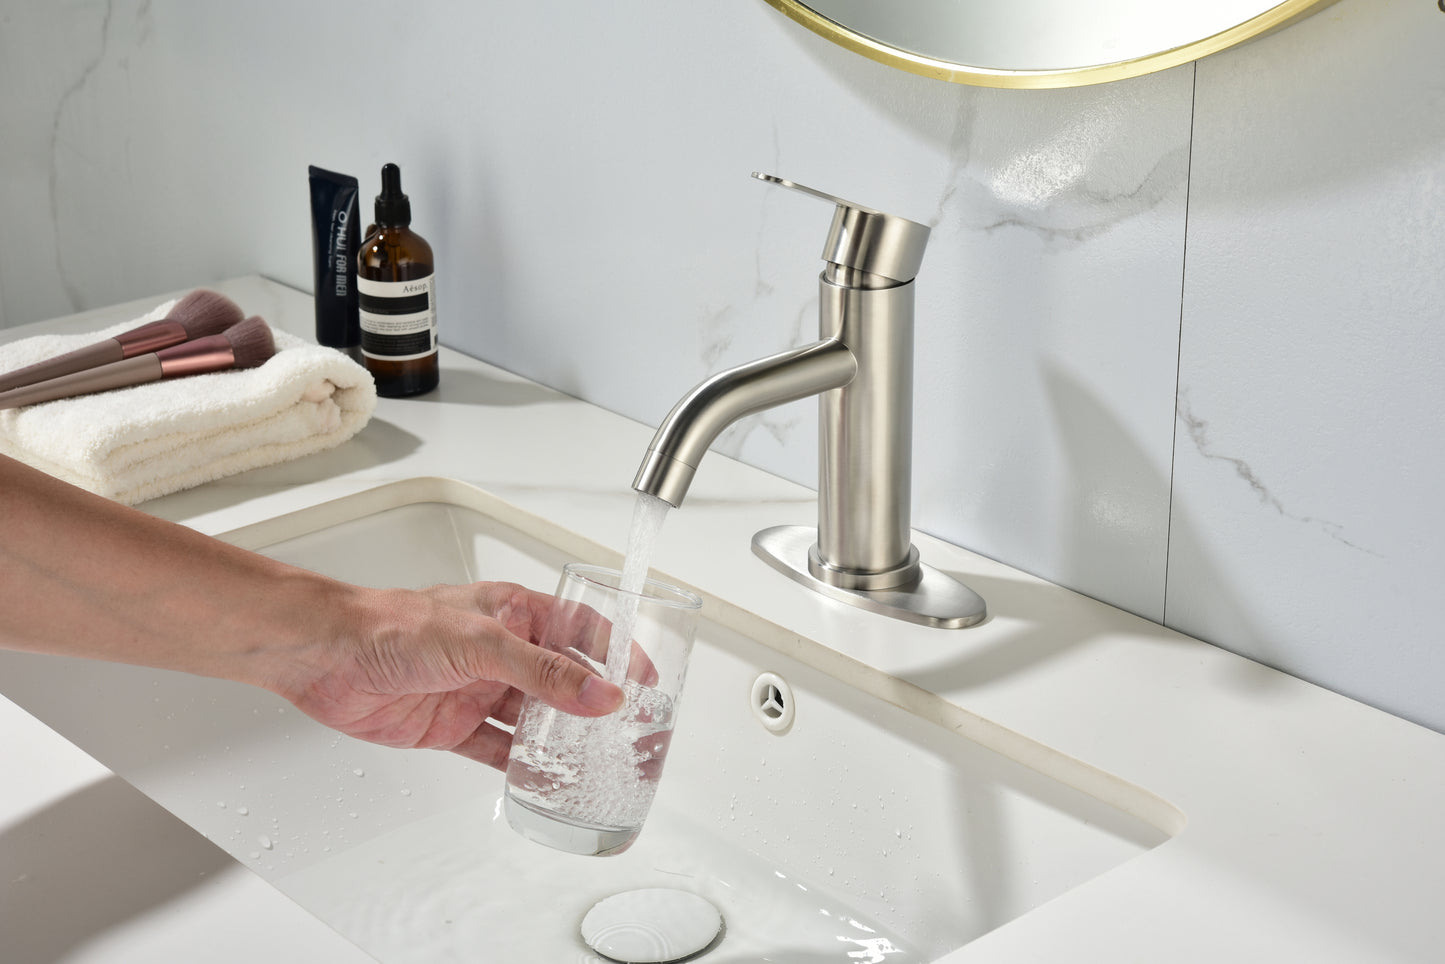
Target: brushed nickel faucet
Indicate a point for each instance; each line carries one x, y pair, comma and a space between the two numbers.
861, 369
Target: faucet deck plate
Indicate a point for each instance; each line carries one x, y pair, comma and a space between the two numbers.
936, 599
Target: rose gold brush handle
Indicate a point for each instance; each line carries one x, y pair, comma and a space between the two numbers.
121, 374
100, 353
138, 341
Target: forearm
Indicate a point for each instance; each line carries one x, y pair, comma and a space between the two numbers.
83, 576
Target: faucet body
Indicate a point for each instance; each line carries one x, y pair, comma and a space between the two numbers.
861, 369
865, 440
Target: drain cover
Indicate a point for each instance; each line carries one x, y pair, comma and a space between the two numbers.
651, 926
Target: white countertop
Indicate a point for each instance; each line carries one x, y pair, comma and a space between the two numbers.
1308, 825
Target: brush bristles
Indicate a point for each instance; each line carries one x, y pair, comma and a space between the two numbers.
251, 342
204, 312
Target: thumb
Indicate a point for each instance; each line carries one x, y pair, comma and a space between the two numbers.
554, 679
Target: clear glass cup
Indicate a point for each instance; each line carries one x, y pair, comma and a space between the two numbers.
584, 784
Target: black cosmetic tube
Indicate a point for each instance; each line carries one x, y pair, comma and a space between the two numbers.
335, 237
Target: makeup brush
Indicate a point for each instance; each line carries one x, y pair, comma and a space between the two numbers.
197, 315
245, 345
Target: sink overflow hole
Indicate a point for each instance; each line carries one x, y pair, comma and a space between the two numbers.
772, 702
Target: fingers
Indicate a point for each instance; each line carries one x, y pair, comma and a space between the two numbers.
523, 611
640, 669
484, 641
583, 630
563, 625
509, 709
551, 677
488, 744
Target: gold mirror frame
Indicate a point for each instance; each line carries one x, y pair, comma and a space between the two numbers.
1280, 15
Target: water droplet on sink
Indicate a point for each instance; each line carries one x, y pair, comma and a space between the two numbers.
359, 772
221, 804
243, 811
265, 841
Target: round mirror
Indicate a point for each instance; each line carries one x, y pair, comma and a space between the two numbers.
1040, 43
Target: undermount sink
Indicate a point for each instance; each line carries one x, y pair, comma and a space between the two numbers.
862, 832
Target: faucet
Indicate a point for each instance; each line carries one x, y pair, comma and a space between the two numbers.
861, 369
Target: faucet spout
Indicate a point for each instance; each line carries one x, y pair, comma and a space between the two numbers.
696, 421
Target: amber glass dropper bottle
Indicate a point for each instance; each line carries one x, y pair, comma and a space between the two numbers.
395, 281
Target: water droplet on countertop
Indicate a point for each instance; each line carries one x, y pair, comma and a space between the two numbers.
265, 841
405, 792
221, 804
243, 811
359, 772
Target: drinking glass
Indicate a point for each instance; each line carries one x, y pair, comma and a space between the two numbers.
584, 784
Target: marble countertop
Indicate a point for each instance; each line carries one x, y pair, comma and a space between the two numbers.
1306, 825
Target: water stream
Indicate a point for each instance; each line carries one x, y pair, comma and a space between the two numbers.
648, 514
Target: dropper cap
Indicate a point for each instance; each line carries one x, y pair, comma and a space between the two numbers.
393, 208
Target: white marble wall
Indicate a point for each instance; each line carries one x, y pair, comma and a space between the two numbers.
1308, 523
582, 171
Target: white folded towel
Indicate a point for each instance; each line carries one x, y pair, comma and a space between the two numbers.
138, 443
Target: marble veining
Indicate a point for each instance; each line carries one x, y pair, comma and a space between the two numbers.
1101, 209
1067, 182
1197, 430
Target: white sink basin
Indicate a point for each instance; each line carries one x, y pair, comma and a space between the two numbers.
863, 833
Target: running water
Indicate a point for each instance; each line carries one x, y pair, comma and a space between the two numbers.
648, 514
598, 773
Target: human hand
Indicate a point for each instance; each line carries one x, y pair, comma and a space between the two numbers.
440, 669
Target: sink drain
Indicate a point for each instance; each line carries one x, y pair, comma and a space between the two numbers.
652, 926
772, 701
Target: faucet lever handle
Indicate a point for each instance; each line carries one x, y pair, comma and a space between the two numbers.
865, 239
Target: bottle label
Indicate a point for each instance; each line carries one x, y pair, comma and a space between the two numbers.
398, 318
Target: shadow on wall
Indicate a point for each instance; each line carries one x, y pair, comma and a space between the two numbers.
91, 862
1087, 428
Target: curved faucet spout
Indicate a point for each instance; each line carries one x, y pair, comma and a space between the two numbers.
696, 421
